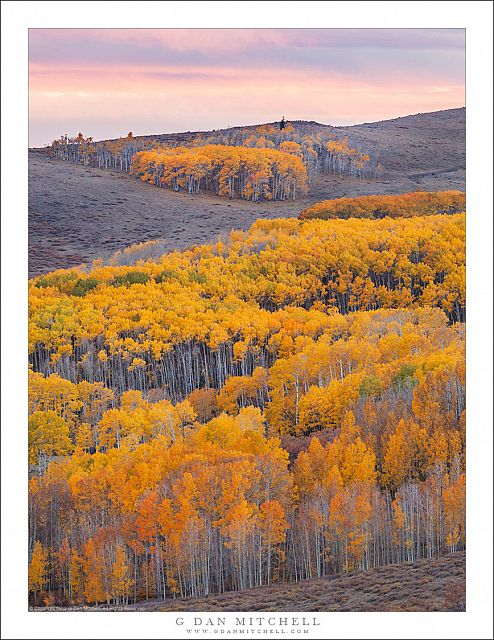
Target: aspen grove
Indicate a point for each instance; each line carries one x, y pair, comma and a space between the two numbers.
250, 174
251, 163
286, 403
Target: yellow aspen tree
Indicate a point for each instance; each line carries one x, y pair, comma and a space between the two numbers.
94, 588
121, 582
38, 569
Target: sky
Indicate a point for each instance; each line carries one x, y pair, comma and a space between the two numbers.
107, 82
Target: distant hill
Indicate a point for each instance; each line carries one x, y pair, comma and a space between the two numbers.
428, 142
423, 147
419, 146
452, 120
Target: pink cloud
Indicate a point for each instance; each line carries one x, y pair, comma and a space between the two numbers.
107, 81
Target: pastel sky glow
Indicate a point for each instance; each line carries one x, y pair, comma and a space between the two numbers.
106, 82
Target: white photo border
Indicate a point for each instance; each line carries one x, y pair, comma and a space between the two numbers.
17, 18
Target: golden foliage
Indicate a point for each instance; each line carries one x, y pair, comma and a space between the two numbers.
251, 174
405, 205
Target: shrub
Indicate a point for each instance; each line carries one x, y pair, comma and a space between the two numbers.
130, 278
82, 286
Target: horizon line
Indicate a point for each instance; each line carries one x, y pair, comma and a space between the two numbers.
260, 124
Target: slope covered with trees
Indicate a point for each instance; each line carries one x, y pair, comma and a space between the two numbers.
162, 394
192, 318
266, 163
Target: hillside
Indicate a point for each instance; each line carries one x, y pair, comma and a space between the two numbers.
432, 143
427, 585
426, 149
415, 147
78, 213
